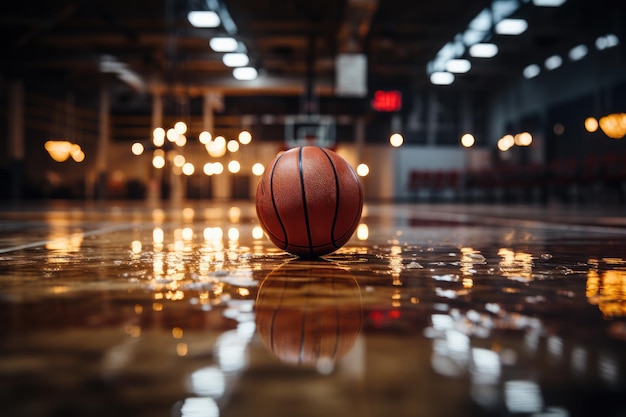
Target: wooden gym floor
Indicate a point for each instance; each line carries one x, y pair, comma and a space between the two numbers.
430, 310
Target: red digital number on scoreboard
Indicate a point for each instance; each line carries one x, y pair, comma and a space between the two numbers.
387, 101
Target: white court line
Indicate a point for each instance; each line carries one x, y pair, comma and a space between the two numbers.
84, 234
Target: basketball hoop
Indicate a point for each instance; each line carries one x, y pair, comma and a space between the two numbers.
310, 130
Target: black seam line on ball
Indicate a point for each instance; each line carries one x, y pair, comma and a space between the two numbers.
280, 221
306, 212
337, 321
303, 326
337, 196
274, 313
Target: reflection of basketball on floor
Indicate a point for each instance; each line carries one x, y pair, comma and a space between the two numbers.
309, 313
309, 201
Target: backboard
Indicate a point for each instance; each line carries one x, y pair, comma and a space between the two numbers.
317, 130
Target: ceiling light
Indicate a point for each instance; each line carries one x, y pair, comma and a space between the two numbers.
504, 8
607, 41
531, 71
553, 62
235, 59
482, 21
245, 73
548, 3
203, 19
578, 52
511, 26
471, 36
611, 40
451, 49
442, 78
223, 44
483, 50
458, 66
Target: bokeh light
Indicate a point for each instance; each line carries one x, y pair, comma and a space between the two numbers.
158, 161
396, 140
137, 148
180, 127
158, 136
232, 146
506, 142
188, 168
234, 167
205, 137
245, 137
468, 140
591, 124
362, 170
523, 139
258, 169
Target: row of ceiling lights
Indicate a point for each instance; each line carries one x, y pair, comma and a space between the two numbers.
577, 53
235, 52
496, 19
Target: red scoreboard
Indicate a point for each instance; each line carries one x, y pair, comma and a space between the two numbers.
387, 101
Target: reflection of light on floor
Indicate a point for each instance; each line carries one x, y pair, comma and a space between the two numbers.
555, 347
470, 258
157, 235
233, 234
522, 396
199, 407
485, 367
208, 382
607, 289
516, 264
63, 239
257, 233
187, 233
231, 351
395, 264
117, 358
136, 246
608, 369
579, 360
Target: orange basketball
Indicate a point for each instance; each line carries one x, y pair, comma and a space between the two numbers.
309, 201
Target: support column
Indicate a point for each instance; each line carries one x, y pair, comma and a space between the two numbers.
157, 111
359, 141
359, 137
467, 126
155, 176
222, 183
208, 120
16, 139
104, 137
431, 119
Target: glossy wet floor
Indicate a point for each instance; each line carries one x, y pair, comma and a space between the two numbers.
435, 310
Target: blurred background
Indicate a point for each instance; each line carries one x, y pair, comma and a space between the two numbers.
519, 101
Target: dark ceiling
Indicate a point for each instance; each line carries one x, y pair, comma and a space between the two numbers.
60, 44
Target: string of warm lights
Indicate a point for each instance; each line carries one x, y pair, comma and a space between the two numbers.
613, 125
215, 147
62, 150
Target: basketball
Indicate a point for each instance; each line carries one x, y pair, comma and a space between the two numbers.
309, 201
309, 313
